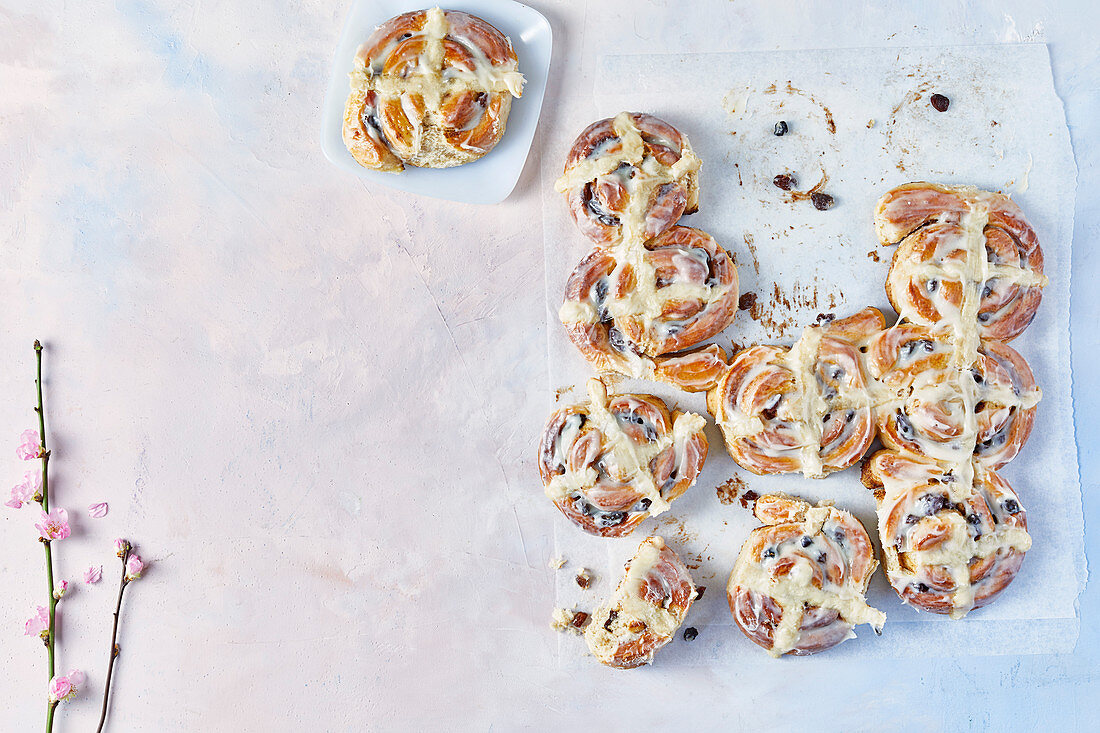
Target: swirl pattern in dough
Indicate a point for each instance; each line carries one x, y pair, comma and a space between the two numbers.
645, 610
965, 257
615, 460
806, 408
650, 292
930, 407
631, 175
800, 581
430, 88
952, 538
624, 309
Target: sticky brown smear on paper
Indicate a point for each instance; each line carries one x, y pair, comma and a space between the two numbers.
778, 317
752, 251
676, 532
914, 97
793, 196
730, 490
830, 124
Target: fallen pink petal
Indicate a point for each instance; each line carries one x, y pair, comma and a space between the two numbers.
38, 623
30, 446
53, 525
97, 511
93, 574
134, 567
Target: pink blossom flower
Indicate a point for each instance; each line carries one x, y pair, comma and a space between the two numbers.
97, 511
64, 686
60, 589
38, 624
134, 567
121, 546
93, 574
54, 525
28, 490
30, 446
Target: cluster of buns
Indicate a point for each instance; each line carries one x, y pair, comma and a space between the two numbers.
950, 401
431, 88
649, 290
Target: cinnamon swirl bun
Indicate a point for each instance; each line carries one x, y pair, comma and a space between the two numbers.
966, 258
800, 581
645, 610
430, 88
615, 460
806, 408
929, 406
952, 538
633, 175
627, 306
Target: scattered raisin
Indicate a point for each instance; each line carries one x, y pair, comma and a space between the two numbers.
780, 128
746, 301
807, 541
940, 103
1012, 506
785, 181
690, 633
579, 618
821, 201
584, 579
973, 519
699, 591
922, 588
611, 616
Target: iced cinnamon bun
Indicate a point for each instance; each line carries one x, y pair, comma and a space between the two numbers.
953, 538
645, 610
806, 408
430, 88
633, 175
800, 581
966, 258
930, 406
627, 306
611, 462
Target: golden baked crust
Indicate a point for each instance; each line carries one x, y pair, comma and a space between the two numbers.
611, 462
431, 88
807, 408
646, 609
799, 583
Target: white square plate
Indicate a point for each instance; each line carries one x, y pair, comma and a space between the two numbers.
485, 181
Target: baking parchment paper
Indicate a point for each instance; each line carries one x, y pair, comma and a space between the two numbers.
860, 118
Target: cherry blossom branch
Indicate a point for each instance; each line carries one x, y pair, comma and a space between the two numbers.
51, 631
132, 567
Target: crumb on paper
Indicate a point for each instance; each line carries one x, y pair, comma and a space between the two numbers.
557, 563
729, 490
870, 124
584, 578
571, 620
736, 101
561, 391
873, 255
